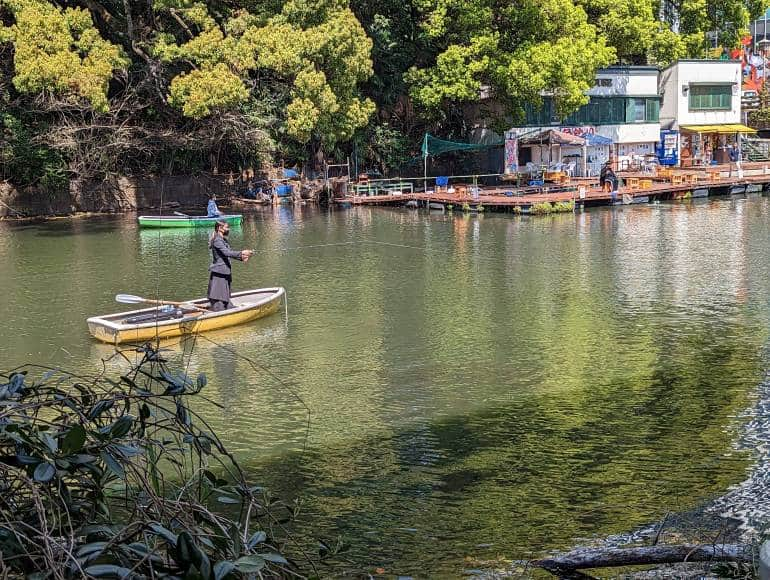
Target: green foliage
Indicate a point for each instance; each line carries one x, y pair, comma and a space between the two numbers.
632, 28
181, 86
202, 91
60, 51
546, 208
761, 117
385, 147
29, 162
730, 18
118, 472
518, 52
317, 49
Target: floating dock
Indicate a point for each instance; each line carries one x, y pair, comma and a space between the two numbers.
675, 184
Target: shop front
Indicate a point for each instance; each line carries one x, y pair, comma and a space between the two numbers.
702, 145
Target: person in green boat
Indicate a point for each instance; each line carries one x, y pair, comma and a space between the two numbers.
211, 209
220, 271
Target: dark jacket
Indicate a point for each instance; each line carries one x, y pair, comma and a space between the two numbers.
607, 175
220, 256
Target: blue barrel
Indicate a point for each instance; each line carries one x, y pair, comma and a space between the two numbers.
283, 190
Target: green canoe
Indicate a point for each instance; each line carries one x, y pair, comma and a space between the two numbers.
193, 221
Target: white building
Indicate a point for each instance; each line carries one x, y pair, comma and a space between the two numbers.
624, 106
702, 100
637, 135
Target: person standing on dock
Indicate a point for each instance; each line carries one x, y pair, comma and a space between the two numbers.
220, 271
735, 158
608, 181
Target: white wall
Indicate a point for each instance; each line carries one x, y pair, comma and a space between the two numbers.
669, 85
631, 133
639, 82
675, 110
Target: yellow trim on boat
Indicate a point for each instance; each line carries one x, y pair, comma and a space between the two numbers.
116, 332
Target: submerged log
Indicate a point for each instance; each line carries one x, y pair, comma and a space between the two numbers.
565, 565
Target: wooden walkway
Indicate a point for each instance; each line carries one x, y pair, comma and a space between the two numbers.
756, 176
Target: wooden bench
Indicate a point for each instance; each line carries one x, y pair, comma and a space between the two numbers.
645, 183
714, 174
677, 179
632, 182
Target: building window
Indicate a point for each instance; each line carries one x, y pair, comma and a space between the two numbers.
603, 83
598, 111
711, 97
653, 110
637, 110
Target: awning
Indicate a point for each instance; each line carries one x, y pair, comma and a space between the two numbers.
594, 140
551, 137
721, 129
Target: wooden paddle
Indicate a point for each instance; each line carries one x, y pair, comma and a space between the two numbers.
179, 213
131, 299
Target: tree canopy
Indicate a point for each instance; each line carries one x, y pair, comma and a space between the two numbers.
183, 85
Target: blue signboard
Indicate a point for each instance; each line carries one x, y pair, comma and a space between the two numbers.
668, 150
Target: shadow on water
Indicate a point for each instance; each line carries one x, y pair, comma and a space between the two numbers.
538, 473
67, 227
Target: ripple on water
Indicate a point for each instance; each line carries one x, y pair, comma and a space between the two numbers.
524, 383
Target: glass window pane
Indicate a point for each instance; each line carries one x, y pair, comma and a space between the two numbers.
710, 97
618, 110
640, 109
653, 111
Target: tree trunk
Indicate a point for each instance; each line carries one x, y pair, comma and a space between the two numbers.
582, 559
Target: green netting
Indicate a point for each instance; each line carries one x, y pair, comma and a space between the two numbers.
432, 146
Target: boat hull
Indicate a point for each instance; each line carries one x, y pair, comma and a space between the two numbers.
250, 305
173, 221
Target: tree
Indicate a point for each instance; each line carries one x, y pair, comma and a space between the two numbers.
59, 51
631, 27
516, 51
314, 51
761, 117
729, 19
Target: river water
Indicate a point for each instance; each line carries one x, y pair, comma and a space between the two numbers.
476, 386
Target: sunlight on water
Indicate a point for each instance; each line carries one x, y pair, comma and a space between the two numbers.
476, 386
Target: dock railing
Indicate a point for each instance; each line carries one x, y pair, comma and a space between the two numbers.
408, 185
473, 185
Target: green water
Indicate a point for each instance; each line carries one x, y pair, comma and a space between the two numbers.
501, 387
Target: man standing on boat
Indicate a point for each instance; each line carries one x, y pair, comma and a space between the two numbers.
220, 271
211, 209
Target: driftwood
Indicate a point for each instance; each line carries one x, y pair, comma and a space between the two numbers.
567, 565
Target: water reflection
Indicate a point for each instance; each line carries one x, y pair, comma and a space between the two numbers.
491, 379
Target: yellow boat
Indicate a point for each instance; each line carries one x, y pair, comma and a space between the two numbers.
166, 322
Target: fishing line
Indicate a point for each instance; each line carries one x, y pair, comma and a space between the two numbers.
157, 268
305, 247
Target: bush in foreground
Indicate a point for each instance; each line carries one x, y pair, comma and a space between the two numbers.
114, 479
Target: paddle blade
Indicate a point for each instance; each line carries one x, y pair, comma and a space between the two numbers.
128, 299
